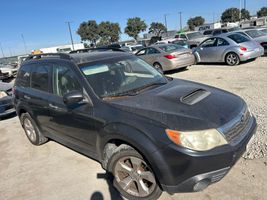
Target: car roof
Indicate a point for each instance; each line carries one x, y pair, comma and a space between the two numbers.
78, 58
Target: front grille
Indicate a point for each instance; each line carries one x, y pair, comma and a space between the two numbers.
236, 129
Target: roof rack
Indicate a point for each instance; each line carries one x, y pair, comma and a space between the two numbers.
48, 55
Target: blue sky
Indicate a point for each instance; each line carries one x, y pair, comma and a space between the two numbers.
43, 22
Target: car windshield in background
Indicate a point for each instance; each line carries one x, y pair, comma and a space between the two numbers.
137, 48
121, 76
170, 47
255, 33
238, 38
180, 42
194, 35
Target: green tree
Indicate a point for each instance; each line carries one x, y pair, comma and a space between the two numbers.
134, 27
157, 28
88, 31
230, 15
245, 14
195, 21
262, 12
109, 32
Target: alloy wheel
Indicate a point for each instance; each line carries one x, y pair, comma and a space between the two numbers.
134, 176
232, 59
29, 129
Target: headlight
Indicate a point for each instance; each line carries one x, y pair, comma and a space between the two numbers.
2, 94
197, 140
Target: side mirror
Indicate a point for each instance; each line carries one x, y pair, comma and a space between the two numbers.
73, 97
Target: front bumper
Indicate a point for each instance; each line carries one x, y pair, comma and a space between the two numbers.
191, 171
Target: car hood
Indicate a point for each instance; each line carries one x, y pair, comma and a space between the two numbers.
183, 105
199, 39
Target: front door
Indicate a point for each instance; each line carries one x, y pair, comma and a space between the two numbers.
74, 124
207, 50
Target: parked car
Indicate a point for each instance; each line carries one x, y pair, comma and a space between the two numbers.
230, 48
193, 38
263, 30
3, 75
10, 69
6, 105
256, 35
151, 132
132, 48
165, 57
176, 41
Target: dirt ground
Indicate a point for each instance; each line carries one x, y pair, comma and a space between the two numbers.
52, 172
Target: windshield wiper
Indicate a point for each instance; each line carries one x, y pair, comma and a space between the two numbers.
135, 91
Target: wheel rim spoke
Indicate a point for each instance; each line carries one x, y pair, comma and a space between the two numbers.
143, 190
123, 167
126, 183
29, 129
147, 175
136, 163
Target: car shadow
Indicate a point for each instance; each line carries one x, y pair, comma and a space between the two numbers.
12, 115
176, 71
114, 194
224, 64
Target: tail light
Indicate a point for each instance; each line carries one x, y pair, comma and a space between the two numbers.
169, 57
243, 48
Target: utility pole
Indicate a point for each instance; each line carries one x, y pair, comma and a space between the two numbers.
70, 34
240, 8
245, 4
24, 43
181, 26
3, 55
165, 18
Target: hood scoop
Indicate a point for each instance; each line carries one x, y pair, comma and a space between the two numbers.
194, 96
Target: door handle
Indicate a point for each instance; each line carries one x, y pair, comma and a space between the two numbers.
52, 106
27, 97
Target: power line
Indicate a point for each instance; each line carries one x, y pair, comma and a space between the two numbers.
70, 34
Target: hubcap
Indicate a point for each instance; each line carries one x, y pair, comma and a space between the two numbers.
29, 129
134, 176
232, 59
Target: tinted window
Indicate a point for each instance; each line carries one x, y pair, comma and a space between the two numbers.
238, 38
209, 43
217, 32
207, 32
222, 42
64, 80
23, 77
152, 51
39, 78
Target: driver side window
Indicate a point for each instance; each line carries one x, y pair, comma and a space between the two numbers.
64, 80
209, 43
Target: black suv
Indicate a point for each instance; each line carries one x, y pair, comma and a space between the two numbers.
151, 132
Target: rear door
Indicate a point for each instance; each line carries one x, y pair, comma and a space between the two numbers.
74, 124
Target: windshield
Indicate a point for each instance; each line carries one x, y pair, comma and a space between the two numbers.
120, 76
170, 47
255, 33
194, 35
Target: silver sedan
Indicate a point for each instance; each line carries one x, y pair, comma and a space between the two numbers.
165, 57
230, 48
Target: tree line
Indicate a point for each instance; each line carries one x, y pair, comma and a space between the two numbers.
108, 32
229, 15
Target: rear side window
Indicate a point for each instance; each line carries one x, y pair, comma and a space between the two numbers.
170, 47
40, 80
23, 77
238, 38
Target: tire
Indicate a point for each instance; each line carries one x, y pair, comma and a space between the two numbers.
158, 67
133, 178
31, 130
232, 59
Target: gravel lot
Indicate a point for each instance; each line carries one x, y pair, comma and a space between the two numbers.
52, 172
